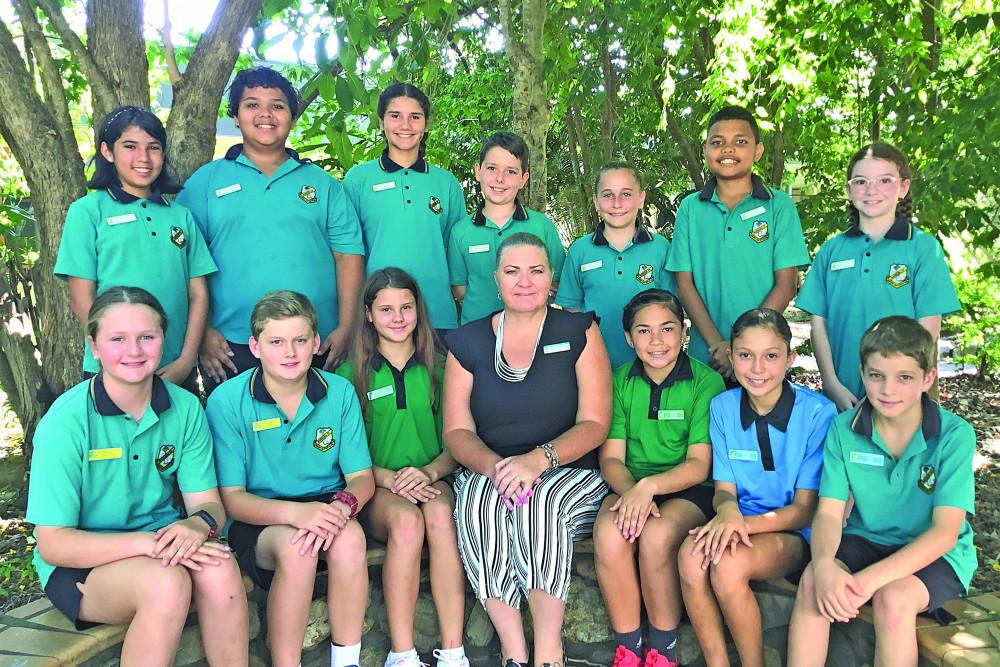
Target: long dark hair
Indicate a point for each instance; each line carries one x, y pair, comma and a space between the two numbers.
366, 338
401, 89
111, 129
883, 151
762, 318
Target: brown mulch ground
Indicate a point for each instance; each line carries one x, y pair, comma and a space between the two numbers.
977, 402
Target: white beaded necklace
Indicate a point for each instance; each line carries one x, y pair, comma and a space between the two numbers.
504, 370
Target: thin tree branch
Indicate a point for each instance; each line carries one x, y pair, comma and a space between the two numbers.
176, 78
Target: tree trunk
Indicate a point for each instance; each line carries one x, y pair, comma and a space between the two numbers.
118, 48
610, 107
778, 164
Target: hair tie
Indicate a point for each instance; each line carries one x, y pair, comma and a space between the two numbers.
119, 113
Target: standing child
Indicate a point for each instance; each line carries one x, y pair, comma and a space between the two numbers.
502, 171
294, 469
767, 445
737, 244
656, 459
112, 545
907, 545
407, 205
882, 265
126, 233
620, 259
398, 381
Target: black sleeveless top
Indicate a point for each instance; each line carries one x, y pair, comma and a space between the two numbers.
515, 417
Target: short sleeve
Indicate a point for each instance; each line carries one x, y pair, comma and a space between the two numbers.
570, 293
709, 386
354, 455
665, 278
619, 408
834, 483
194, 198
77, 257
458, 272
722, 469
459, 346
200, 262
230, 449
679, 257
955, 479
196, 468
456, 208
811, 469
934, 291
343, 228
789, 242
812, 296
557, 253
54, 495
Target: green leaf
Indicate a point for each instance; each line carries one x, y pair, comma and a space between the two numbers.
345, 98
327, 87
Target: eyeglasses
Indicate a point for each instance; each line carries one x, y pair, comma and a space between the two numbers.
880, 182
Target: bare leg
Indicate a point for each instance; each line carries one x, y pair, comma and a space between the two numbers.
617, 574
659, 543
222, 613
702, 607
809, 631
290, 594
447, 579
347, 586
547, 615
507, 621
894, 609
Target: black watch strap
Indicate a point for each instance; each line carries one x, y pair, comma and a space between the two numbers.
213, 526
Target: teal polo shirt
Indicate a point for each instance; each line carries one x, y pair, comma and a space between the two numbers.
472, 255
658, 422
855, 281
96, 469
407, 214
769, 456
894, 500
601, 278
267, 234
733, 255
403, 426
114, 238
258, 447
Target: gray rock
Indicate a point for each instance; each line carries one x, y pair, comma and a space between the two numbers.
478, 629
372, 656
318, 626
254, 620
586, 618
688, 650
775, 609
425, 622
190, 650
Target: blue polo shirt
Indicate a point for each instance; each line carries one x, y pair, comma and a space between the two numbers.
267, 234
854, 282
98, 470
894, 500
258, 447
598, 277
732, 255
769, 457
407, 214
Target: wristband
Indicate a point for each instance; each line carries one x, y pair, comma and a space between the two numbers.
348, 499
550, 454
213, 526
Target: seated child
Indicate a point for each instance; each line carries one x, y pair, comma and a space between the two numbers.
907, 545
502, 171
767, 445
656, 459
294, 470
112, 546
398, 381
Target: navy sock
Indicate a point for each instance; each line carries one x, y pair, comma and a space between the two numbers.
629, 640
664, 641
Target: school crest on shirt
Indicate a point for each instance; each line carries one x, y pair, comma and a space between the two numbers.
899, 275
324, 439
177, 236
308, 194
928, 479
164, 457
758, 231
645, 274
435, 206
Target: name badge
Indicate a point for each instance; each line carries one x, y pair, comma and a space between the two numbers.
229, 189
265, 424
743, 455
866, 459
750, 214
842, 264
670, 415
119, 219
379, 187
105, 454
590, 266
473, 249
556, 347
379, 393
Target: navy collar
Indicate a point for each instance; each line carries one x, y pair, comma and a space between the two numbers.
680, 371
377, 361
641, 235
235, 151
930, 421
122, 197
757, 189
479, 219
901, 230
778, 416
159, 400
390, 167
315, 387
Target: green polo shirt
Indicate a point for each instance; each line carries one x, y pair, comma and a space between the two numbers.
733, 254
96, 469
258, 447
267, 234
935, 470
403, 427
658, 422
603, 279
114, 238
855, 281
472, 255
407, 214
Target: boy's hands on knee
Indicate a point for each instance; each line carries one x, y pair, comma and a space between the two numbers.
318, 523
179, 540
726, 529
633, 508
838, 595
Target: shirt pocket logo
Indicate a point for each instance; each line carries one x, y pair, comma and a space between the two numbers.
645, 274
928, 479
324, 439
308, 194
164, 457
899, 275
434, 204
758, 231
177, 236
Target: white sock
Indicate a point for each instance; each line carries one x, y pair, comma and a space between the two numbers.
393, 656
451, 653
345, 656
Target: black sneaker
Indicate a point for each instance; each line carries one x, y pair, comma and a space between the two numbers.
511, 662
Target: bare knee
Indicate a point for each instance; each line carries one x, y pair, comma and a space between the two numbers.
349, 549
660, 541
220, 581
165, 591
728, 577
893, 606
291, 563
439, 519
609, 545
406, 527
690, 564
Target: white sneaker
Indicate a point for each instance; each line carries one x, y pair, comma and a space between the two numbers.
409, 659
445, 660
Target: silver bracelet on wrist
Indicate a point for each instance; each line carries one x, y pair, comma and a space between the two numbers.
550, 454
